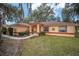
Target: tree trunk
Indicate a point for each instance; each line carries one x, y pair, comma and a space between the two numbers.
30, 9
0, 29
22, 15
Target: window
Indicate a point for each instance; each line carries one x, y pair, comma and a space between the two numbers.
63, 29
46, 29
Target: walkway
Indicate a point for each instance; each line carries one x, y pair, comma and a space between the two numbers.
10, 47
18, 38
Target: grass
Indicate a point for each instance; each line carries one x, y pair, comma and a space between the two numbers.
51, 46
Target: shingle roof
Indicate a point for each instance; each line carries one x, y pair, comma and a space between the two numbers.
49, 23
57, 23
18, 24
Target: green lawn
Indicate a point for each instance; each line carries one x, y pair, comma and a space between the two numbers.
50, 46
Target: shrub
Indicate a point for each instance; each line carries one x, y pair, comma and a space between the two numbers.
24, 33
4, 30
42, 33
27, 32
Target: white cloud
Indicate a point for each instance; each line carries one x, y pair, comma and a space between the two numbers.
35, 5
61, 5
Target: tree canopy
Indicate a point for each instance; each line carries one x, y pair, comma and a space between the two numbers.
71, 13
66, 15
42, 13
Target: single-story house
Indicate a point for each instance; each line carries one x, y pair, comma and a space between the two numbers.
50, 28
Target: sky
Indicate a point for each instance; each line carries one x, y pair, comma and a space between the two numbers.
57, 9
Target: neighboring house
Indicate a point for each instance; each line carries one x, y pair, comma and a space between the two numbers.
50, 28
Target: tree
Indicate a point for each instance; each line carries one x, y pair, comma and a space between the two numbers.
0, 29
58, 19
2, 7
30, 9
75, 9
72, 11
27, 19
10, 13
0, 24
66, 15
6, 10
75, 13
42, 13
